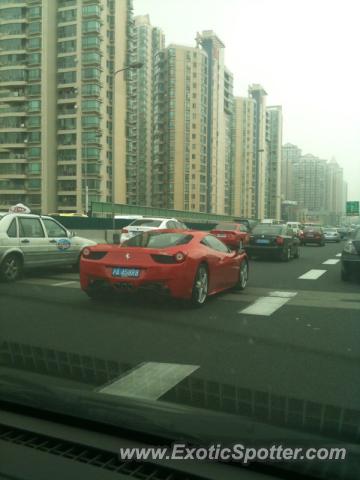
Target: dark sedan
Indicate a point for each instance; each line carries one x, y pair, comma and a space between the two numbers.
313, 235
350, 257
276, 241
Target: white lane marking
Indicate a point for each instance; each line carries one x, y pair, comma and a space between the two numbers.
312, 274
331, 261
60, 284
283, 294
338, 255
149, 380
266, 306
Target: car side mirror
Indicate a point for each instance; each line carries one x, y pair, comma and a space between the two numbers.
71, 234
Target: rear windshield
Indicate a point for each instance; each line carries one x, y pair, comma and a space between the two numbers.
145, 222
268, 230
330, 230
226, 226
158, 240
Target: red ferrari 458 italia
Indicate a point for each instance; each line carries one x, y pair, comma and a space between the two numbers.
185, 264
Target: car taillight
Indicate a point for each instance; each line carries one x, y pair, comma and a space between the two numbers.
279, 240
124, 230
180, 257
86, 252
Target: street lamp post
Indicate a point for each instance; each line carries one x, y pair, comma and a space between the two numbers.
134, 66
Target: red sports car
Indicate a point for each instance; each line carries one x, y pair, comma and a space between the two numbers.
186, 264
234, 235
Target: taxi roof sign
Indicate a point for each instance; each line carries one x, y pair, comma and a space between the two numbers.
19, 208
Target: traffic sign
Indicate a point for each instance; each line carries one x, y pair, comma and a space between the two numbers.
352, 208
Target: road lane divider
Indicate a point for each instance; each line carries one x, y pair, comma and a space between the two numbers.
150, 380
266, 306
338, 255
331, 261
312, 274
62, 284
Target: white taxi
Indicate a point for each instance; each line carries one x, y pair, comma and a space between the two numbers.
31, 241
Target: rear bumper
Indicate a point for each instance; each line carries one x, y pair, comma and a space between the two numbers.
312, 240
175, 280
264, 250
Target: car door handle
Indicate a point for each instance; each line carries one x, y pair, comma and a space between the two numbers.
52, 241
25, 241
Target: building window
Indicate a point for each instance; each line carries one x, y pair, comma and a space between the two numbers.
34, 106
67, 77
67, 46
34, 12
67, 31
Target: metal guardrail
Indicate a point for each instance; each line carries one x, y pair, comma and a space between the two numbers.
106, 210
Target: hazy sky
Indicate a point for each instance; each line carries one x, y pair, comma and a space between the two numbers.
305, 53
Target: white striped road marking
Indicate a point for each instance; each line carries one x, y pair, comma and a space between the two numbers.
149, 380
266, 306
60, 284
338, 255
312, 274
331, 261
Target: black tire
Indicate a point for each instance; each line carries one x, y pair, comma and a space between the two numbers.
322, 244
201, 283
304, 243
11, 268
345, 275
286, 254
243, 276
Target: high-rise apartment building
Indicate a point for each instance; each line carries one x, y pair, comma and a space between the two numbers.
290, 155
229, 140
243, 182
259, 95
335, 200
148, 40
219, 82
309, 175
273, 164
57, 64
179, 161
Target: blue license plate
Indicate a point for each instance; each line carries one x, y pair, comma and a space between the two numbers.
263, 241
125, 272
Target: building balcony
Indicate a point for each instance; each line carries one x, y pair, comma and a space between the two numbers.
20, 83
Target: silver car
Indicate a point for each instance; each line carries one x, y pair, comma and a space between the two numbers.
30, 241
332, 235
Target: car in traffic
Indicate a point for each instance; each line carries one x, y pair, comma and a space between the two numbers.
275, 241
331, 234
313, 235
32, 241
350, 257
146, 224
250, 223
185, 264
234, 235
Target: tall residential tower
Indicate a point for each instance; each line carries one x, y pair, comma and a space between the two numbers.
57, 60
179, 161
